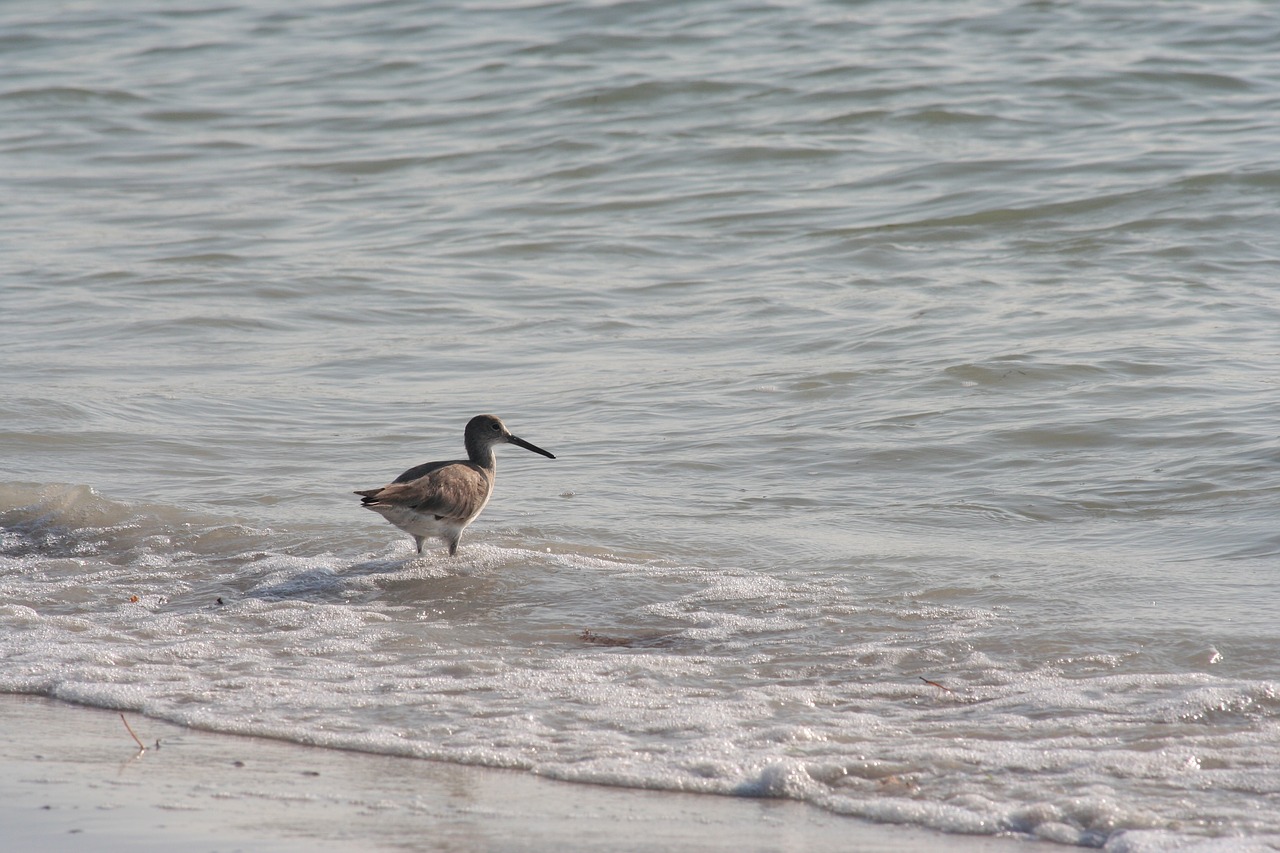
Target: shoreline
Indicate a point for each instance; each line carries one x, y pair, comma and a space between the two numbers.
72, 779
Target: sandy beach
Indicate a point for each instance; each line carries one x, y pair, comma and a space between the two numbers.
72, 779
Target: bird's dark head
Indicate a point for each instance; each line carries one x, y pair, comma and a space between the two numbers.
486, 431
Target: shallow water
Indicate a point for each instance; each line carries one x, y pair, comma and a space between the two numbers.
912, 371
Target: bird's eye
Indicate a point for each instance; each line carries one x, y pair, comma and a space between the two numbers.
494, 427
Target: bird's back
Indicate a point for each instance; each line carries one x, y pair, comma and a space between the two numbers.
457, 490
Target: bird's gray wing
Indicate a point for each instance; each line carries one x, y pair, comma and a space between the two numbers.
452, 490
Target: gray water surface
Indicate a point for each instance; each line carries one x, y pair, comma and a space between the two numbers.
912, 370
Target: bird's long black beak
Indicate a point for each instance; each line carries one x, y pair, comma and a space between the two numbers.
527, 446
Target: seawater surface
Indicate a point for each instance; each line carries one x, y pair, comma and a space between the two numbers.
912, 370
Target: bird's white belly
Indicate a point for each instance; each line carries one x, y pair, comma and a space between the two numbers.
421, 524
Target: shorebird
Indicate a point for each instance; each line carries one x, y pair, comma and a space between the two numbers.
441, 498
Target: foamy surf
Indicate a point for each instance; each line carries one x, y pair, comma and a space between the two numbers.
614, 671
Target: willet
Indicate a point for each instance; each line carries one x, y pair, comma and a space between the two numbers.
441, 498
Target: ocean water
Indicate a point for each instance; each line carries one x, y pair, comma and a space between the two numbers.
913, 371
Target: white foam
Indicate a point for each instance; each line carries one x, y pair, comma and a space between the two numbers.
725, 681
1163, 841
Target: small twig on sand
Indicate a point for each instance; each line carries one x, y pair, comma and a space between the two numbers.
141, 746
936, 684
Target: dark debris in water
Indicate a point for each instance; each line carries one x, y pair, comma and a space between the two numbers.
589, 636
656, 641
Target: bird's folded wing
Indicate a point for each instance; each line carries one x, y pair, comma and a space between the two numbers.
453, 491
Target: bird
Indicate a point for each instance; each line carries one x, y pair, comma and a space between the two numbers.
439, 499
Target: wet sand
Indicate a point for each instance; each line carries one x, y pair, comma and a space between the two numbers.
72, 779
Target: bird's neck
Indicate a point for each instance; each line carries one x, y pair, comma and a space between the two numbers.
482, 455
